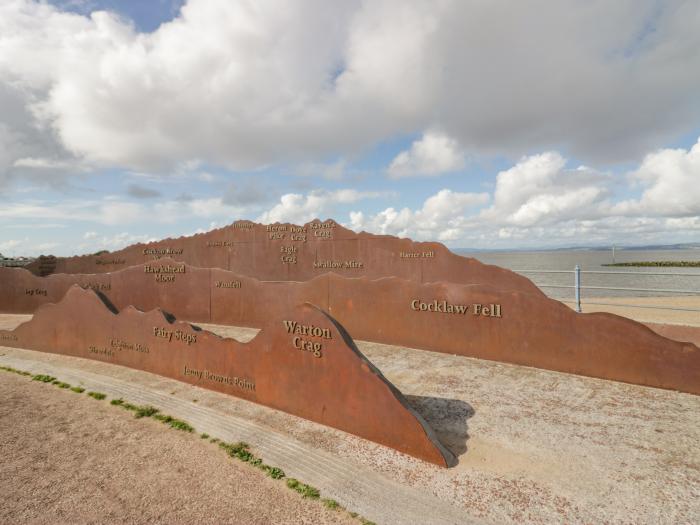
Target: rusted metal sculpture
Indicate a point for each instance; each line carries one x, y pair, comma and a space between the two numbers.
287, 252
302, 362
480, 321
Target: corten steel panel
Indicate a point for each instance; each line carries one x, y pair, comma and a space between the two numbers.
287, 252
529, 330
213, 256
23, 292
339, 388
690, 334
250, 302
162, 282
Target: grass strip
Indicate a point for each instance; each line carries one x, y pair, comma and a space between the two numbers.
306, 491
43, 378
240, 450
97, 395
15, 371
331, 504
658, 264
175, 423
150, 411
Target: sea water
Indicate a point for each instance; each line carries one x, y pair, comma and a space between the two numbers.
681, 279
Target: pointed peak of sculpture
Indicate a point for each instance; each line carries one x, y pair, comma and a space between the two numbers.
302, 362
88, 302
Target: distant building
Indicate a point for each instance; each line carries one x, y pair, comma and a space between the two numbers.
15, 261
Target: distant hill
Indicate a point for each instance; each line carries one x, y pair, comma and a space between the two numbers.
683, 246
689, 246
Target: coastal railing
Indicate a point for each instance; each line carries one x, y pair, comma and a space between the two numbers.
577, 286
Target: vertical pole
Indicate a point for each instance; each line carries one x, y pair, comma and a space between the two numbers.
613, 254
577, 287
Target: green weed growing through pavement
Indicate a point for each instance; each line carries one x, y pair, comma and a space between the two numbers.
15, 371
43, 378
306, 491
97, 395
330, 503
242, 452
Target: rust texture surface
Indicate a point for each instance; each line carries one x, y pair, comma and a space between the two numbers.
302, 362
676, 332
481, 321
288, 252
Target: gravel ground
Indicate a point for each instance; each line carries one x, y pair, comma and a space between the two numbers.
534, 446
67, 458
537, 446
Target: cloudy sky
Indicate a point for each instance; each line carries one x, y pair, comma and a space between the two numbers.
484, 124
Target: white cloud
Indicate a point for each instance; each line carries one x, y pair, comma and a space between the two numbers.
245, 85
671, 178
299, 209
27, 149
537, 202
434, 154
9, 245
48, 164
111, 211
117, 241
540, 202
46, 246
91, 243
118, 213
25, 247
442, 216
683, 223
252, 84
120, 240
539, 190
33, 209
201, 208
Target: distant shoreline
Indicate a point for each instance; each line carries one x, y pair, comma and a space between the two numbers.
658, 264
